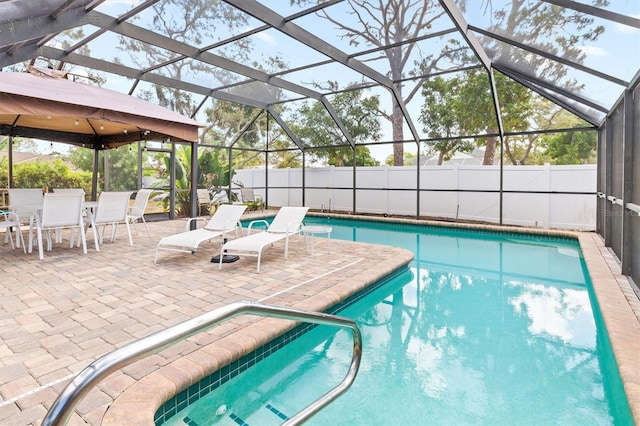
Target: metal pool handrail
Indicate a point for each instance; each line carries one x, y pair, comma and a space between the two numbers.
88, 378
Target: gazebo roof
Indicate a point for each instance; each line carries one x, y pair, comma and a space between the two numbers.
45, 105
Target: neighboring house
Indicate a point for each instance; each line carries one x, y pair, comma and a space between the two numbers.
474, 157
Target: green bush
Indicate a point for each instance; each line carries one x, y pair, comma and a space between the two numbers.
49, 175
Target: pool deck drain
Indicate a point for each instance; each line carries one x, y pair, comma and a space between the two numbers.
60, 314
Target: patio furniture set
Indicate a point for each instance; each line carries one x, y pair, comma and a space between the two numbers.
49, 213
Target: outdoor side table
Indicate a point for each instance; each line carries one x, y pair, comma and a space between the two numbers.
313, 230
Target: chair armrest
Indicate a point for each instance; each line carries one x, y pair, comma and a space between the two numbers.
254, 222
187, 226
8, 214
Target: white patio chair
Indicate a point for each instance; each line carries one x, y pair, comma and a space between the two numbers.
251, 200
226, 218
287, 222
25, 203
136, 212
204, 200
61, 211
111, 211
10, 221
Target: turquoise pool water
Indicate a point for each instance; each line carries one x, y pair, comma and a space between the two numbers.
482, 329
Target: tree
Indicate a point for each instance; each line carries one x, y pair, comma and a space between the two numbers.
392, 22
463, 105
198, 23
193, 22
228, 119
572, 147
122, 166
541, 25
213, 175
359, 114
408, 157
19, 144
443, 114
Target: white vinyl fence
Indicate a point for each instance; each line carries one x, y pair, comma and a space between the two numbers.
538, 196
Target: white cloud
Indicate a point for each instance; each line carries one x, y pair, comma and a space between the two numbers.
267, 38
594, 51
262, 35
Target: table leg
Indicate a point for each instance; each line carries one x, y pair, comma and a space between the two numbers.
312, 238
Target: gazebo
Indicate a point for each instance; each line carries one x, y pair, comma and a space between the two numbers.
44, 104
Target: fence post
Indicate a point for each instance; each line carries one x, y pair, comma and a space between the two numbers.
547, 175
388, 183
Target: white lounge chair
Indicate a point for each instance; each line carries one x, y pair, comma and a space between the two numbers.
226, 218
287, 222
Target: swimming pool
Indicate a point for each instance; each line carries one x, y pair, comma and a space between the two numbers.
483, 328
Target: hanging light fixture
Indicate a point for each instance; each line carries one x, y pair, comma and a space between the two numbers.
101, 127
77, 122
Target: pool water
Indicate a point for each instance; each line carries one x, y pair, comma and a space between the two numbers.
482, 329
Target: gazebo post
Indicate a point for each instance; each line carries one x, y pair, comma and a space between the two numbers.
94, 176
194, 183
10, 155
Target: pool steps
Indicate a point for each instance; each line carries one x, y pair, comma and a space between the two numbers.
270, 415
